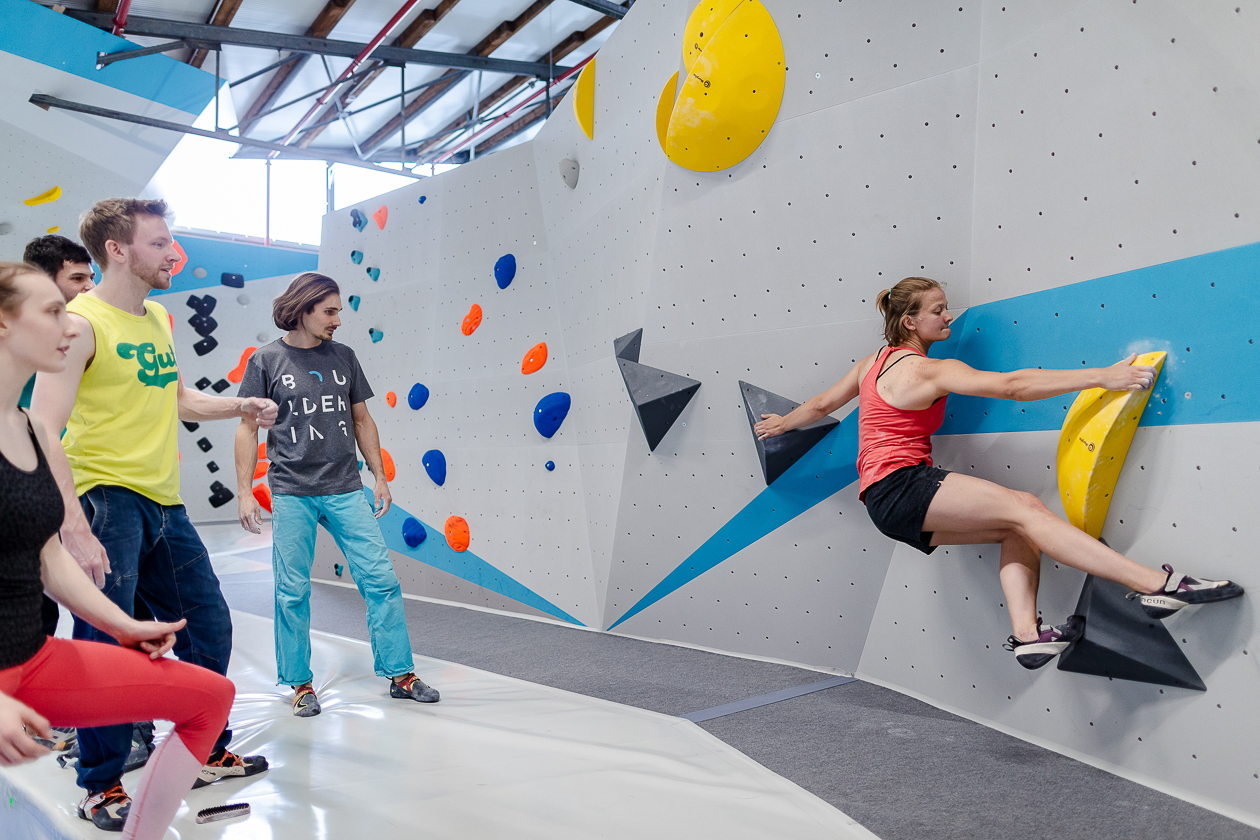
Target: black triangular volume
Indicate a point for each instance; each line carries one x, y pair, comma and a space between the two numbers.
1122, 642
778, 453
658, 396
627, 347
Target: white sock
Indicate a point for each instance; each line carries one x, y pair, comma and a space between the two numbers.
168, 775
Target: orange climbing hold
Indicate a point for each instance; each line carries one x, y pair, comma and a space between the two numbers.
171, 318
472, 320
262, 452
380, 216
237, 373
263, 494
457, 536
392, 399
179, 266
260, 469
535, 358
388, 462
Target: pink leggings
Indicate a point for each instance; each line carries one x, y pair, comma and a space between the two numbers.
75, 683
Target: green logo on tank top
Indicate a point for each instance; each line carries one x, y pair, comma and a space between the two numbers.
151, 363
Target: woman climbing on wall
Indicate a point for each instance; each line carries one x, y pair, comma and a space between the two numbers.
901, 398
75, 683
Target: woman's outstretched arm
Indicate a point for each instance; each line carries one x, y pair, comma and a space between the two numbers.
950, 376
815, 408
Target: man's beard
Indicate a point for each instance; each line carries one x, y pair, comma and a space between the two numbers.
152, 275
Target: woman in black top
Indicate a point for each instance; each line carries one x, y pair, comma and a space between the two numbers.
68, 682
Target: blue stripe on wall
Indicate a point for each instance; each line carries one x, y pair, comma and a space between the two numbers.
217, 256
435, 552
39, 34
1202, 310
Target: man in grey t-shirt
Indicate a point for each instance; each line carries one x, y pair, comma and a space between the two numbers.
314, 480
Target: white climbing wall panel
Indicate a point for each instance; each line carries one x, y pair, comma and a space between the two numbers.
1003, 149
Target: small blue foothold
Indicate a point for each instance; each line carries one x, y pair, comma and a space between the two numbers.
376, 334
356, 257
550, 465
337, 569
417, 396
354, 302
505, 270
413, 532
374, 273
358, 220
360, 466
422, 198
435, 465
550, 413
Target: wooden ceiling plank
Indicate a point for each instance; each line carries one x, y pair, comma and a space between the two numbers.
222, 16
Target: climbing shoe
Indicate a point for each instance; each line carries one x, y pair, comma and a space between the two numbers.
305, 703
1181, 590
1050, 642
411, 687
107, 809
227, 765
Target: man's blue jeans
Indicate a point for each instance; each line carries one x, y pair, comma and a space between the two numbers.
155, 553
348, 517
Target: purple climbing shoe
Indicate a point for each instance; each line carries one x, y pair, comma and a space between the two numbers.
1181, 590
1050, 642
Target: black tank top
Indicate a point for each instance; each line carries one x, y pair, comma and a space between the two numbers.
30, 513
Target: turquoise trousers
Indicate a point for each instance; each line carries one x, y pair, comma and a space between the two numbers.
348, 518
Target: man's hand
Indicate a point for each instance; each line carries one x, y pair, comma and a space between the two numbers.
383, 497
250, 513
262, 412
16, 720
87, 550
152, 637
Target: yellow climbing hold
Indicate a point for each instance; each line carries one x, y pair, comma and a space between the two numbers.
1092, 447
44, 197
732, 81
54, 228
665, 109
584, 99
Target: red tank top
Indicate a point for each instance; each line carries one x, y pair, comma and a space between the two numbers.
891, 438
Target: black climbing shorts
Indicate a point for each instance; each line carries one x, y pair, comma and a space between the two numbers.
898, 503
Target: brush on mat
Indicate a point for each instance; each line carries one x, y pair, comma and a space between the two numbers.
223, 812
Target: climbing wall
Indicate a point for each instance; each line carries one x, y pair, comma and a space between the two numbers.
1083, 177
86, 157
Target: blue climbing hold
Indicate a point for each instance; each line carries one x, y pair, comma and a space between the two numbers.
413, 532
435, 465
354, 302
356, 257
417, 396
550, 413
422, 198
376, 334
374, 273
358, 220
505, 270
337, 567
550, 465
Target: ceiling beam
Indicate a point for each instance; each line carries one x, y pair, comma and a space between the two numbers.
222, 17
410, 36
231, 36
489, 44
606, 6
322, 27
512, 85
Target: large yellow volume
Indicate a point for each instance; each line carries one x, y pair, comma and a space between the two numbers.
584, 99
1093, 444
729, 89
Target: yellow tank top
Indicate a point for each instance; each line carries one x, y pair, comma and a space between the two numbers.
122, 431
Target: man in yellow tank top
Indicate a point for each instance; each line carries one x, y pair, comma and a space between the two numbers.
119, 400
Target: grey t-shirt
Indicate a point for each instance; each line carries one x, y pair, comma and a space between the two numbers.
311, 447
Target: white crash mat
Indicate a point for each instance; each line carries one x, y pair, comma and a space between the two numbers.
496, 758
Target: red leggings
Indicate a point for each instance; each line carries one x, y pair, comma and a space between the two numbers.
75, 683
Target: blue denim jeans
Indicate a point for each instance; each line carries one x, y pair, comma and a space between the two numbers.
348, 517
155, 553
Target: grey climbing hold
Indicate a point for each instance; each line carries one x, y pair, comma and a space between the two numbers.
200, 273
659, 396
627, 347
569, 171
776, 454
